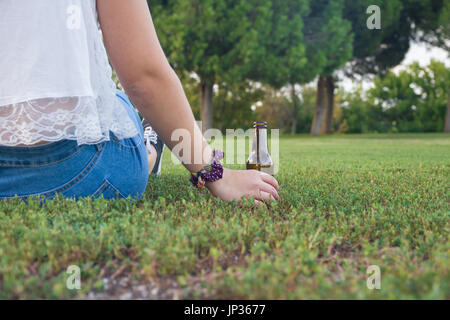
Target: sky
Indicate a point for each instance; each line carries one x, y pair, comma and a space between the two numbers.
419, 52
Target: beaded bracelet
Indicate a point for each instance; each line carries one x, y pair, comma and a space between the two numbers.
211, 172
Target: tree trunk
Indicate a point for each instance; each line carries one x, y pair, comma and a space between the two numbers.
221, 106
447, 117
206, 110
328, 120
320, 107
295, 110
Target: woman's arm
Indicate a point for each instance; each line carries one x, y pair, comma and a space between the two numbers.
152, 85
155, 89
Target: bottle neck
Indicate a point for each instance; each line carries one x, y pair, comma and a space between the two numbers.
260, 141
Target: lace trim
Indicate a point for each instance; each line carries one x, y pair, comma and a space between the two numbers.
54, 119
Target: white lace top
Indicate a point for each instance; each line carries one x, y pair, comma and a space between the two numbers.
55, 79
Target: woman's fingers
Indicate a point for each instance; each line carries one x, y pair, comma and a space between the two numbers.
265, 196
259, 203
270, 180
269, 189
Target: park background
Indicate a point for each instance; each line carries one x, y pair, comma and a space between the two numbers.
370, 187
311, 66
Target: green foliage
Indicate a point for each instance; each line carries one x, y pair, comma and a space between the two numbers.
233, 105
374, 51
444, 23
360, 116
427, 19
347, 202
329, 34
288, 42
308, 103
219, 42
415, 100
278, 109
215, 39
191, 88
280, 58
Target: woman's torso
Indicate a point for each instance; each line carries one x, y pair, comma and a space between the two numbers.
55, 79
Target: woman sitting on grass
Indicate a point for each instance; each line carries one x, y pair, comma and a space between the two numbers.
64, 128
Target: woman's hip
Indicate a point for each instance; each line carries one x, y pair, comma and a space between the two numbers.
113, 169
117, 168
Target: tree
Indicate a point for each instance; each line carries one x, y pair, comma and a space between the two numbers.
376, 51
329, 109
282, 60
429, 20
373, 51
444, 23
305, 38
216, 39
329, 35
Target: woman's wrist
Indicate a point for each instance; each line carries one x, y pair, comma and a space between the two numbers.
212, 172
212, 186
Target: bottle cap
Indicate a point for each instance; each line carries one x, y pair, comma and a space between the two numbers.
260, 124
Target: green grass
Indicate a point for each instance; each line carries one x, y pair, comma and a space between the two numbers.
347, 202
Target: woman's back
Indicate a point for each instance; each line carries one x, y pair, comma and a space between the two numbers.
55, 77
56, 85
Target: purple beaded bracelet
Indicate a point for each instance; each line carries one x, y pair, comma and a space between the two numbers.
211, 173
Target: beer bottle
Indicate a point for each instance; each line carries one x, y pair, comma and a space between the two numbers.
260, 158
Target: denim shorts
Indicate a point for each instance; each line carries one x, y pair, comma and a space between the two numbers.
112, 169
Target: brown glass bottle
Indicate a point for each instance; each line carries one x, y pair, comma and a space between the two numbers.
260, 158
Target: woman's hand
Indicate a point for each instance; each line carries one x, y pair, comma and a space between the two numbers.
236, 184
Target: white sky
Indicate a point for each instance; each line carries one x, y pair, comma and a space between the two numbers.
419, 52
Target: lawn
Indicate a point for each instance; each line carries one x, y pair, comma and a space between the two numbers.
347, 202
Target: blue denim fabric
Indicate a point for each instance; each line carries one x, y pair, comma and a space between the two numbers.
113, 169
